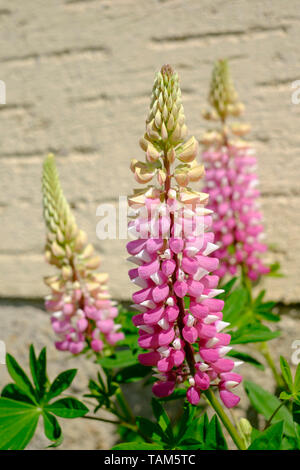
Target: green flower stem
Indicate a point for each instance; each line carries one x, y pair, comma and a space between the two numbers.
124, 405
265, 351
119, 423
273, 414
214, 402
104, 420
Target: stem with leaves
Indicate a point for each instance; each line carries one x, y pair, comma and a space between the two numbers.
215, 404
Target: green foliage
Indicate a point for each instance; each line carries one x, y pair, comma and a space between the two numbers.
270, 439
102, 391
265, 403
193, 432
284, 433
23, 402
245, 357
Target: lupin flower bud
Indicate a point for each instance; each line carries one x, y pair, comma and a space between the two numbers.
82, 313
179, 319
231, 182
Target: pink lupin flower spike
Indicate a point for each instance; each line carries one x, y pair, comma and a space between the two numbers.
82, 312
231, 182
171, 253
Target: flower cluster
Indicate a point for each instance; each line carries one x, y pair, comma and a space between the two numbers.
179, 320
82, 312
231, 183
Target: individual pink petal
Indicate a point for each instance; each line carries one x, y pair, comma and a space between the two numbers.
149, 359
193, 395
97, 345
229, 399
180, 288
163, 389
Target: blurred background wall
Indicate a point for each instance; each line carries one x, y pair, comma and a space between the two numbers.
79, 75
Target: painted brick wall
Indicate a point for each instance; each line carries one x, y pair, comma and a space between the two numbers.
78, 76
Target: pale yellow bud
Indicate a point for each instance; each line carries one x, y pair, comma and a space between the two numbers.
88, 251
93, 263
143, 143
171, 122
240, 129
176, 135
57, 250
66, 272
133, 164
80, 240
196, 173
151, 131
152, 154
164, 132
100, 277
171, 155
181, 177
246, 430
187, 196
211, 137
92, 286
49, 280
188, 151
161, 176
210, 115
157, 119
142, 175
236, 109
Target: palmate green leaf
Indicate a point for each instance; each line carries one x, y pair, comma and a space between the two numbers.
136, 445
234, 306
185, 421
162, 418
274, 270
246, 358
67, 408
285, 396
204, 435
18, 375
38, 370
252, 333
132, 373
297, 379
270, 439
259, 298
266, 403
262, 314
289, 443
61, 383
120, 359
33, 366
227, 288
196, 432
215, 439
21, 404
296, 412
18, 422
14, 392
286, 373
149, 429
52, 428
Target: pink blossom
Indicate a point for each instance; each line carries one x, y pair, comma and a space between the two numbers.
231, 183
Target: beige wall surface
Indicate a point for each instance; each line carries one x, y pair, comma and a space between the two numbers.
79, 76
